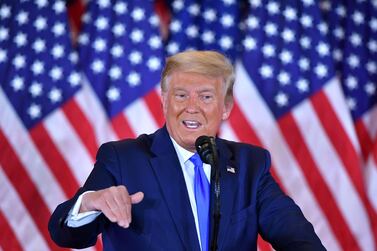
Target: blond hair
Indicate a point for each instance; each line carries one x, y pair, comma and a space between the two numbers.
209, 63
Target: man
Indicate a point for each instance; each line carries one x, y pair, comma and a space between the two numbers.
142, 193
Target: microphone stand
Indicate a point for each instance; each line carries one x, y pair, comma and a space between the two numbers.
216, 213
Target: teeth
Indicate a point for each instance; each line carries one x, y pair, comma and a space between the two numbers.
191, 124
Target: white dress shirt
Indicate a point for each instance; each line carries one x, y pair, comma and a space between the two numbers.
76, 219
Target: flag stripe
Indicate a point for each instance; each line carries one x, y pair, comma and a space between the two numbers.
153, 101
18, 217
257, 114
316, 182
366, 142
28, 193
82, 126
69, 146
8, 239
54, 159
121, 127
139, 118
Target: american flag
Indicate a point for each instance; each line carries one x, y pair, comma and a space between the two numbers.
305, 90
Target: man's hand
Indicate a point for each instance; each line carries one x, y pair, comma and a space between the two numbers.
114, 202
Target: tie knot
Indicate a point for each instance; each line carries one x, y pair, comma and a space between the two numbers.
195, 159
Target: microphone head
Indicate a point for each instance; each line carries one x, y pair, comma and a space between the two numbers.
206, 148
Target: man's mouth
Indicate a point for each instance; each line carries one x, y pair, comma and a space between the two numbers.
191, 124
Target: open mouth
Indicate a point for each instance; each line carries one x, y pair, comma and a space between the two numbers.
191, 124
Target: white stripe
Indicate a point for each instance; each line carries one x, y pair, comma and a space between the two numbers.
69, 145
286, 167
333, 172
337, 100
18, 217
28, 154
369, 120
89, 103
371, 181
227, 132
140, 118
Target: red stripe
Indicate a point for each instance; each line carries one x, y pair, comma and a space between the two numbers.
54, 160
263, 245
8, 239
82, 126
154, 104
366, 142
247, 134
25, 188
75, 11
343, 146
319, 187
162, 11
121, 127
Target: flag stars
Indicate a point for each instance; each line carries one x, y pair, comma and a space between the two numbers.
358, 18
3, 56
341, 11
372, 46
34, 111
115, 73
370, 88
272, 8
37, 67
58, 29
137, 36
154, 20
227, 21
281, 99
351, 83
288, 35
351, 103
59, 7
103, 3
172, 48
302, 85
57, 51
17, 83
40, 23
99, 45
320, 70
323, 49
175, 26
304, 64
83, 39
19, 61
154, 42
120, 8
286, 57
35, 89
290, 14
135, 57
20, 39
225, 42
137, 14
338, 55
194, 9
4, 34
73, 57
249, 43
116, 51
353, 61
22, 17
268, 50
306, 21
266, 71
39, 45
270, 29
373, 24
228, 2
118, 30
113, 94
74, 79
208, 37
192, 31
97, 66
323, 28
371, 67
4, 11
154, 63
55, 95
101, 23
56, 73
339, 33
355, 39
252, 22
305, 42
133, 79
178, 5
284, 78
209, 15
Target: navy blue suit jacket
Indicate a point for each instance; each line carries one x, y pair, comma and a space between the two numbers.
251, 201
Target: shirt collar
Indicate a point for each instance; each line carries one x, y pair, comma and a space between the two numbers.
183, 154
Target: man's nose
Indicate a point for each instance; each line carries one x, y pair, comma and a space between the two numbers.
192, 104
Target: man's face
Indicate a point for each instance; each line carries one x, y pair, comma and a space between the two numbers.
194, 105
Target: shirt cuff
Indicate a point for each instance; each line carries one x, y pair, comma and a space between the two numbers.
76, 219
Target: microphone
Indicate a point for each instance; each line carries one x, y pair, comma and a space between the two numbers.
207, 150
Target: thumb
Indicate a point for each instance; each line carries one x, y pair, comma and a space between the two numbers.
137, 197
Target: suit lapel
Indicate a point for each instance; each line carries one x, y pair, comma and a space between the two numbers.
228, 186
169, 174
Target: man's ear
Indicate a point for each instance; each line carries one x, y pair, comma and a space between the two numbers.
228, 106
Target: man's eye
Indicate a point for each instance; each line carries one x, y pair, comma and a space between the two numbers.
180, 95
207, 97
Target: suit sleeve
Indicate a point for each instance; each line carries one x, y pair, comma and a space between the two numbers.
281, 221
102, 176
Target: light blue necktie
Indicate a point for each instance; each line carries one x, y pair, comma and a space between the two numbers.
201, 190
